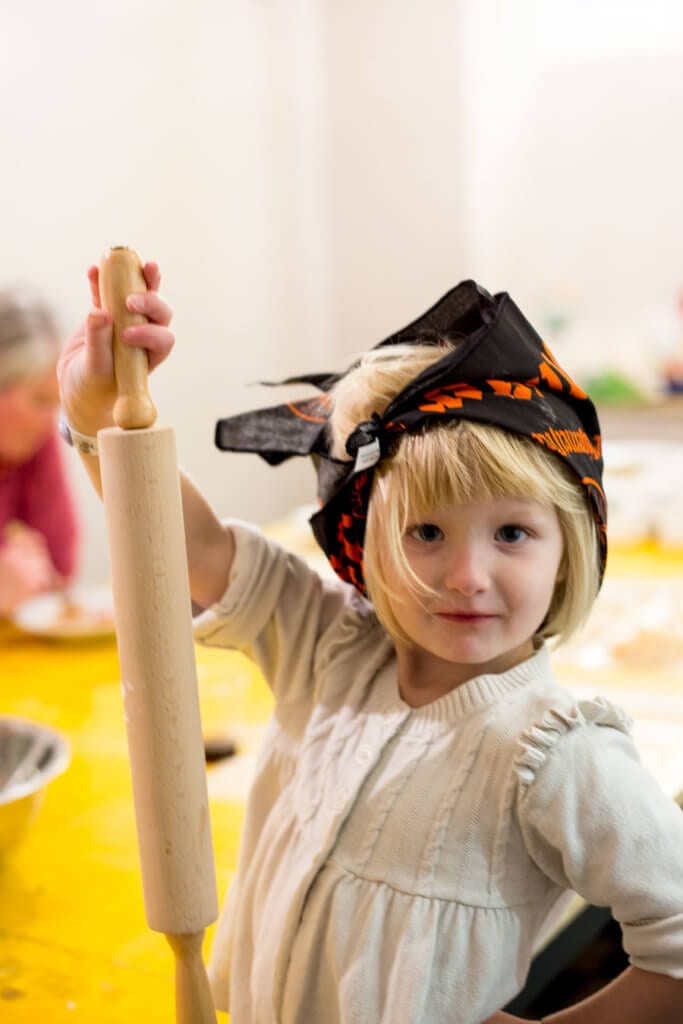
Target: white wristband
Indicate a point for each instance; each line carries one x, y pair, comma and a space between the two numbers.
81, 442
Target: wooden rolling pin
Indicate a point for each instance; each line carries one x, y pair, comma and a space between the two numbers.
141, 491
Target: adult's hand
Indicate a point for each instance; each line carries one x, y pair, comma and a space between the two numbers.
26, 568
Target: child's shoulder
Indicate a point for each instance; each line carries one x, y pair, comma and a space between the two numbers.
560, 724
534, 721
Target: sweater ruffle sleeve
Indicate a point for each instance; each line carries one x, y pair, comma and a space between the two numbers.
594, 820
538, 741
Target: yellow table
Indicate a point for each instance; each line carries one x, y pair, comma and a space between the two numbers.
74, 944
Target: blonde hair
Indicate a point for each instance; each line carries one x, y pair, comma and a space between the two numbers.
29, 336
454, 463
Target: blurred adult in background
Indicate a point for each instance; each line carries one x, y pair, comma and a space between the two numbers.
39, 532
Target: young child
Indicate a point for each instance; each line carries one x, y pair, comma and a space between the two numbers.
38, 528
427, 793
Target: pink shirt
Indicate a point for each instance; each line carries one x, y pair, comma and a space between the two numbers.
38, 493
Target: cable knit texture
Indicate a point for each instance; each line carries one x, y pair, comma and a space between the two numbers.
398, 863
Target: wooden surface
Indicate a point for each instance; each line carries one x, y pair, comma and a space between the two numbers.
74, 944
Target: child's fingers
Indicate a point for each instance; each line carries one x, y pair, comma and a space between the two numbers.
98, 331
151, 305
152, 275
152, 335
94, 282
158, 341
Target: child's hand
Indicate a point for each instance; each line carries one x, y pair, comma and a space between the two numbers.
86, 369
26, 568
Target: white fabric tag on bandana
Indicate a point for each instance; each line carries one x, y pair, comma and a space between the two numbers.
367, 455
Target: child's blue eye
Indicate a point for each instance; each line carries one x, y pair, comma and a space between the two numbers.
426, 532
510, 534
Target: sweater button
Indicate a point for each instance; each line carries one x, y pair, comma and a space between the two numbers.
363, 754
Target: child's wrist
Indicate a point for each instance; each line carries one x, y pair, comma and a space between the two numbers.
84, 420
86, 443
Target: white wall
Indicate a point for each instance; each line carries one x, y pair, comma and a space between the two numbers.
575, 163
396, 165
312, 174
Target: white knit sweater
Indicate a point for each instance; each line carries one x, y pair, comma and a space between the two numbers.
398, 864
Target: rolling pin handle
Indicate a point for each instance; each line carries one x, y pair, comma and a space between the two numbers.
194, 1002
120, 276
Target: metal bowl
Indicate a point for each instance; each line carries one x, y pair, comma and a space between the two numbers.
31, 755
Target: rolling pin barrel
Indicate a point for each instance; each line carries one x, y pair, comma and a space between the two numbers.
143, 510
158, 676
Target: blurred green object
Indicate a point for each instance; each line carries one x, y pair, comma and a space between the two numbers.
612, 386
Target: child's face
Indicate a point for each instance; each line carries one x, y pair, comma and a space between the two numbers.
493, 565
27, 415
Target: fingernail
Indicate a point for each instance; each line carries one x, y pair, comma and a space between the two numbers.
135, 302
98, 320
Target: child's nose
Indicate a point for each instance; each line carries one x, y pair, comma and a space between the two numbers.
466, 571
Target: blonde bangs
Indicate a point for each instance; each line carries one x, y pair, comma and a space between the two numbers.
466, 461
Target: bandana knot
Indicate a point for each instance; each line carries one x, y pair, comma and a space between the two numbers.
367, 443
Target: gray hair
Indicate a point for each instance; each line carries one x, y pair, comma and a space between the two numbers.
29, 336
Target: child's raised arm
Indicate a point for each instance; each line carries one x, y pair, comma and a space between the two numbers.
88, 392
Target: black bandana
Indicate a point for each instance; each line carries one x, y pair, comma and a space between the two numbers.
500, 373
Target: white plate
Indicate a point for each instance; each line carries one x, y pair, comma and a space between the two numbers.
88, 614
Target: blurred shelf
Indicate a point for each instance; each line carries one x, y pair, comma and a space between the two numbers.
658, 420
